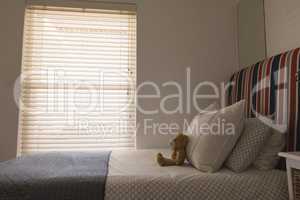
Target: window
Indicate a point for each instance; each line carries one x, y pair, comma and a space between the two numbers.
78, 79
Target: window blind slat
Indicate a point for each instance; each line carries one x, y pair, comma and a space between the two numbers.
66, 53
76, 147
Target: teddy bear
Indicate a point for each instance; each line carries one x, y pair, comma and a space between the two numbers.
178, 145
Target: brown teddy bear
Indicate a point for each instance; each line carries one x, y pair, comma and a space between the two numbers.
178, 145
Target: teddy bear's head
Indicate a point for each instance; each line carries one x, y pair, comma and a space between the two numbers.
179, 142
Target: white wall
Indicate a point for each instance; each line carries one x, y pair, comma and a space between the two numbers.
282, 25
172, 35
251, 29
11, 22
175, 34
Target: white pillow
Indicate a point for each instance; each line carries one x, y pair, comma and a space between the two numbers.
209, 147
252, 140
268, 158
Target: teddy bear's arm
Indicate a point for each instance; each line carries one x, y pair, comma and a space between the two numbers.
174, 154
181, 157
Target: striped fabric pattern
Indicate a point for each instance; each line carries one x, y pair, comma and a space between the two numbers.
271, 89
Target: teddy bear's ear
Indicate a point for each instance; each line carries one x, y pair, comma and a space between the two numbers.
179, 135
171, 142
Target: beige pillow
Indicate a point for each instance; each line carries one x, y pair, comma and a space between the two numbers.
210, 108
214, 135
268, 158
199, 119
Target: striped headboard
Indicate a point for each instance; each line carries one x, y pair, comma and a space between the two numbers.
271, 89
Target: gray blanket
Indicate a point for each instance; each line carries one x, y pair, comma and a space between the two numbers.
55, 176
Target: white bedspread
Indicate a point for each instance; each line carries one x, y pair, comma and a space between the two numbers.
136, 175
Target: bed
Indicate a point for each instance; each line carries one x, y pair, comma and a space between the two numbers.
130, 175
136, 175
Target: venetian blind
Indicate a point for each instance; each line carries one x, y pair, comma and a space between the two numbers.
78, 79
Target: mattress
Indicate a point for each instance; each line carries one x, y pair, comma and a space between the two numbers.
136, 175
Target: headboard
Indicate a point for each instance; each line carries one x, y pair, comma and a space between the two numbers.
270, 88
